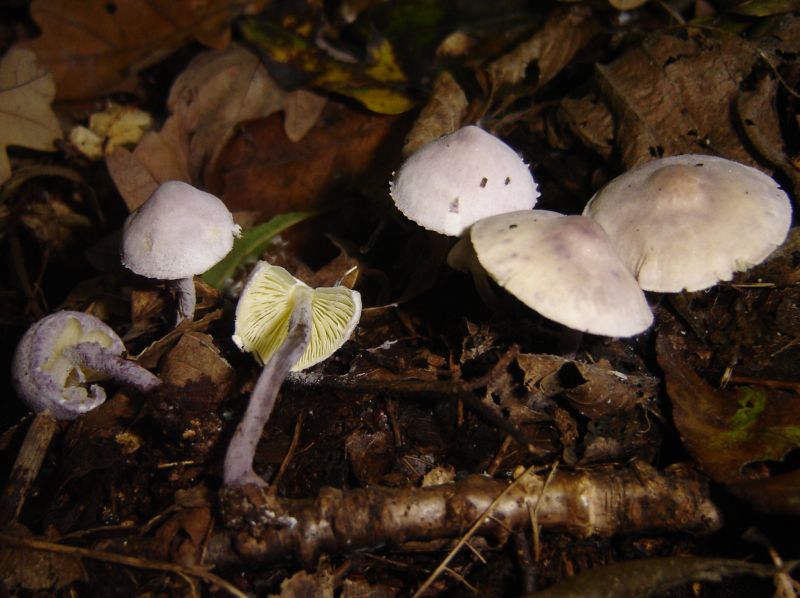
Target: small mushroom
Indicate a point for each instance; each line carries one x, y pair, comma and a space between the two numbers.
287, 326
59, 359
454, 181
687, 222
563, 267
54, 371
177, 233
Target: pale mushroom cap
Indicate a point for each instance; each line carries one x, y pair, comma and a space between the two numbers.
178, 232
456, 180
687, 222
46, 379
563, 267
262, 315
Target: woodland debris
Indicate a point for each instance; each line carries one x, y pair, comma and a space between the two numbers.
603, 502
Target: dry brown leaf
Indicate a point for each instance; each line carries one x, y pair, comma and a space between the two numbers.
670, 96
552, 47
261, 169
216, 92
26, 119
35, 570
93, 47
442, 114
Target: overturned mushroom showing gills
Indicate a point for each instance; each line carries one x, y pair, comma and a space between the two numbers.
177, 233
687, 222
62, 356
287, 326
563, 267
55, 369
450, 183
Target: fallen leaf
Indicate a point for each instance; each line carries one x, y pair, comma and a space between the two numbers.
552, 48
442, 114
377, 82
35, 570
731, 433
594, 390
26, 119
261, 169
96, 46
217, 91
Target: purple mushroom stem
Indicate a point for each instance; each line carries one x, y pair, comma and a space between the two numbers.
238, 469
184, 289
92, 356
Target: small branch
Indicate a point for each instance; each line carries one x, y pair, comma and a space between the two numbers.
602, 501
26, 467
122, 559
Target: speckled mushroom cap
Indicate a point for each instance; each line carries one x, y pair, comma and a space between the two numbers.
46, 378
266, 303
563, 267
687, 222
178, 232
454, 181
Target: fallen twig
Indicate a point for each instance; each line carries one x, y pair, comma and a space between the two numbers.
602, 501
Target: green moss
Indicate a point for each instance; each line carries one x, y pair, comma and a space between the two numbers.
752, 403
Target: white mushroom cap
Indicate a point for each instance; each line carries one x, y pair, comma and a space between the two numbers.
687, 222
266, 303
565, 268
47, 378
178, 232
456, 180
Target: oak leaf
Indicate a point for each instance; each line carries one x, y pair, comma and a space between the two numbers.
216, 92
26, 119
92, 47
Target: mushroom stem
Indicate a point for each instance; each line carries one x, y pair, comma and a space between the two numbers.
93, 356
238, 468
184, 288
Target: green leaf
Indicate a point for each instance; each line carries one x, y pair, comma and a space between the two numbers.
765, 8
251, 244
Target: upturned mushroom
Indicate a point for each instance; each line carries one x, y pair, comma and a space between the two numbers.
60, 359
55, 371
687, 222
454, 181
287, 326
562, 267
177, 233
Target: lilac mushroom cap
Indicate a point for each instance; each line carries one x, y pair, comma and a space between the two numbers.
59, 358
687, 222
454, 181
563, 267
178, 232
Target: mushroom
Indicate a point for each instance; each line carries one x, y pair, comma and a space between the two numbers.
177, 233
563, 267
287, 326
54, 371
454, 181
687, 222
61, 356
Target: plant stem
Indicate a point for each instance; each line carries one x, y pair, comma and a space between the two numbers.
241, 451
